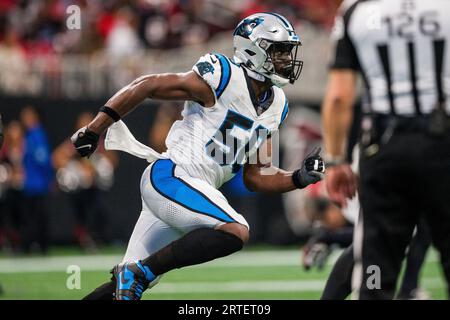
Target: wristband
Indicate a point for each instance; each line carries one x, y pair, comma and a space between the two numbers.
110, 112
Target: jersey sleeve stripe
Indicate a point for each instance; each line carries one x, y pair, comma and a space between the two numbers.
225, 75
285, 111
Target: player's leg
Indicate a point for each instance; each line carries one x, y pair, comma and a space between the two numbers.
339, 282
415, 258
196, 208
440, 234
338, 286
149, 235
435, 191
196, 247
103, 292
212, 229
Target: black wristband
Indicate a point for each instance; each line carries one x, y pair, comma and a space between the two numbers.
110, 112
296, 179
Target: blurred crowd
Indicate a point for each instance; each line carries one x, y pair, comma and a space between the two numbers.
121, 26
30, 171
119, 40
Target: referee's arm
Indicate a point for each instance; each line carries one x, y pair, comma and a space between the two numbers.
337, 117
337, 112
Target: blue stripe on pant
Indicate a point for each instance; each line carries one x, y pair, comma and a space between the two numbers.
165, 183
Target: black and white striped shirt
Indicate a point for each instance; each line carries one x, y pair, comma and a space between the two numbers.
401, 49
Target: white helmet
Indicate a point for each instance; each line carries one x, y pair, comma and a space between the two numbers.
260, 39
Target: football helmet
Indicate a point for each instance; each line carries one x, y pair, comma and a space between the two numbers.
266, 43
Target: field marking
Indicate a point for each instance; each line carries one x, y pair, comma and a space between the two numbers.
106, 262
257, 286
241, 286
269, 258
240, 259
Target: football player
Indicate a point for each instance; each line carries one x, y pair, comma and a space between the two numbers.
233, 106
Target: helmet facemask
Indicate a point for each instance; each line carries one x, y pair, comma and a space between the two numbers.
281, 61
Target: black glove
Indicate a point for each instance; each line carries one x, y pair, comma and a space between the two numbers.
85, 141
311, 171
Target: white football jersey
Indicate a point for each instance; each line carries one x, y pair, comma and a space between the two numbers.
213, 143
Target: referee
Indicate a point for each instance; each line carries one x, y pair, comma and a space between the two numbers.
399, 47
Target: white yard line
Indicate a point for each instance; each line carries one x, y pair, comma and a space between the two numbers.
257, 286
241, 286
106, 262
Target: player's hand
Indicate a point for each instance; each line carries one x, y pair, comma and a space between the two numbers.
312, 168
85, 141
341, 183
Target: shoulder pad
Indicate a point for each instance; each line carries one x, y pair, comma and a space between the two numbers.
215, 69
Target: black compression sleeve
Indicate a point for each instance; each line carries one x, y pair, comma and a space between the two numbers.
198, 246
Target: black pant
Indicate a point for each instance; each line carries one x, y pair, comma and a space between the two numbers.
339, 282
408, 178
35, 223
338, 286
416, 257
11, 216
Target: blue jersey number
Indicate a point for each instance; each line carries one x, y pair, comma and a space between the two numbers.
233, 140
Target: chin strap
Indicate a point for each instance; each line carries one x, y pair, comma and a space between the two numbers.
254, 75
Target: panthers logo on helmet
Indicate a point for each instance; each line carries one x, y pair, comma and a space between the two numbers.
246, 27
205, 67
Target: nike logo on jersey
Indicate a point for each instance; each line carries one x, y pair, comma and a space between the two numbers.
84, 146
213, 61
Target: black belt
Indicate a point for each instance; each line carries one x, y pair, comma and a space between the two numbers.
421, 123
383, 127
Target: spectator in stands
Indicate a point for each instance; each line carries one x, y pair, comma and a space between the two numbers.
123, 38
319, 12
38, 174
11, 187
84, 181
40, 25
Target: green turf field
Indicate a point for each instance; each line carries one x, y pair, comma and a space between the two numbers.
250, 274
